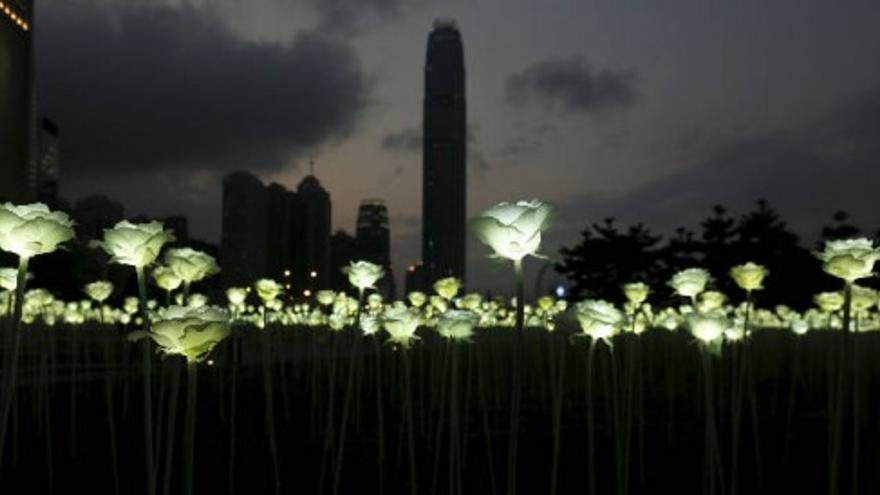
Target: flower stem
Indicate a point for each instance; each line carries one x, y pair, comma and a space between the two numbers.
149, 461
10, 368
190, 429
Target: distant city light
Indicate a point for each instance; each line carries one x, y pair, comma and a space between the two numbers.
313, 274
286, 273
307, 293
18, 20
560, 291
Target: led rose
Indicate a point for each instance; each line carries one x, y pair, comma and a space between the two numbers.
829, 302
513, 230
190, 332
8, 278
849, 259
749, 276
197, 300
689, 282
863, 298
268, 289
374, 301
363, 274
166, 278
711, 300
401, 324
191, 265
599, 319
370, 324
457, 325
136, 245
236, 295
447, 287
707, 327
325, 297
32, 230
636, 292
99, 290
417, 298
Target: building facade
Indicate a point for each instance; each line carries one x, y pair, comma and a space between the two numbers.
373, 241
16, 99
245, 230
444, 154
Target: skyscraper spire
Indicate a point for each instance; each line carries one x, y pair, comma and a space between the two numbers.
444, 154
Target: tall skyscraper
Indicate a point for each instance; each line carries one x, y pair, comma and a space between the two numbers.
373, 241
44, 175
245, 229
312, 256
444, 154
16, 98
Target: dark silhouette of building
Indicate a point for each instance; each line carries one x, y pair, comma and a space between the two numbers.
311, 268
16, 99
95, 213
343, 250
44, 175
373, 241
282, 208
416, 279
444, 154
245, 229
180, 225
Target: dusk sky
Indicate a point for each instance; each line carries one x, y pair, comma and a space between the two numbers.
644, 110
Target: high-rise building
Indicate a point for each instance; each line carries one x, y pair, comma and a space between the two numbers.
343, 251
245, 229
16, 98
444, 154
282, 208
95, 213
43, 180
312, 245
373, 241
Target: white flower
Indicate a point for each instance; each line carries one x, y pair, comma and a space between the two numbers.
849, 259
457, 324
749, 276
707, 327
363, 274
689, 282
829, 302
417, 298
191, 265
31, 230
166, 279
267, 289
133, 244
99, 290
401, 324
190, 332
513, 230
636, 292
599, 319
447, 287
236, 295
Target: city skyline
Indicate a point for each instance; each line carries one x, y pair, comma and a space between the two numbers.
637, 111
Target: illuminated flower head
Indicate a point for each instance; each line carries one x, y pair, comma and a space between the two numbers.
268, 289
513, 230
236, 295
707, 327
99, 290
599, 319
636, 292
829, 302
849, 259
191, 265
325, 297
31, 230
9, 278
712, 300
690, 282
190, 332
749, 276
401, 324
134, 244
457, 325
166, 278
363, 274
417, 298
447, 287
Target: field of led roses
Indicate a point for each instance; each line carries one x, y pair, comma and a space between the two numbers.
440, 392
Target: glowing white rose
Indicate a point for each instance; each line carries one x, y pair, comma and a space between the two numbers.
513, 230
363, 274
9, 278
136, 245
99, 290
707, 327
417, 298
191, 265
829, 302
749, 276
689, 282
325, 297
166, 279
599, 319
370, 324
236, 295
190, 332
849, 259
457, 324
711, 300
31, 230
447, 287
268, 289
401, 324
636, 292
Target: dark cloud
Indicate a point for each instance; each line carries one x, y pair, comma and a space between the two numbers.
409, 139
141, 87
571, 86
351, 17
807, 172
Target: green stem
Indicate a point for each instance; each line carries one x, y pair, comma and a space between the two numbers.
190, 431
149, 460
10, 368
